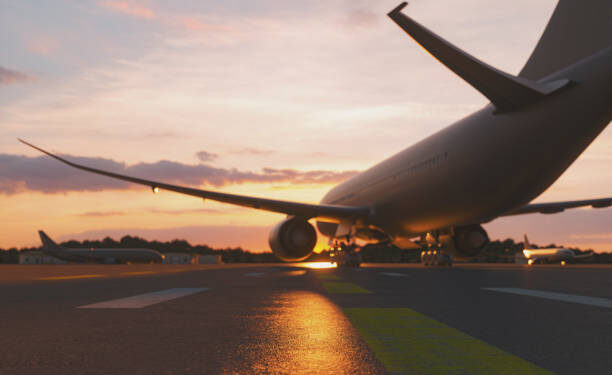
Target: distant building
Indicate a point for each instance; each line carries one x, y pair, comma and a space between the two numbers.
186, 258
207, 259
177, 258
37, 257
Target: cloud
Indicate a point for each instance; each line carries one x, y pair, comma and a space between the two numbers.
97, 214
8, 77
43, 174
206, 156
129, 8
194, 23
101, 214
252, 151
361, 19
42, 45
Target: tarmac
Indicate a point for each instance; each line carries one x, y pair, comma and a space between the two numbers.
292, 319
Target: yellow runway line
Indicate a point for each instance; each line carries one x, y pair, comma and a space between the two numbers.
407, 342
139, 273
71, 277
344, 288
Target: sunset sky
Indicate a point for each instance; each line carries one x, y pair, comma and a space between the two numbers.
269, 98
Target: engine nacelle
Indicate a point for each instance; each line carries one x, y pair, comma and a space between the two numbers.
470, 240
293, 239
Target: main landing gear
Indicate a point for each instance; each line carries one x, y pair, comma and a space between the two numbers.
435, 254
436, 257
345, 255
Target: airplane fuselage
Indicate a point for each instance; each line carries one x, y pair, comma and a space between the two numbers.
553, 255
107, 255
486, 164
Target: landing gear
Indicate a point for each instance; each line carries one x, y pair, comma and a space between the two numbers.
345, 255
435, 254
436, 258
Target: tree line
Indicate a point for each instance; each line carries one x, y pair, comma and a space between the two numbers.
495, 252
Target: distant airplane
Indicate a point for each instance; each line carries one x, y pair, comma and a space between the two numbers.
107, 256
550, 255
489, 164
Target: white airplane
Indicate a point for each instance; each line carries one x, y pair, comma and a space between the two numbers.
491, 163
550, 255
93, 255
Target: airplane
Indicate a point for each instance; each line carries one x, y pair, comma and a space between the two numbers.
490, 164
550, 255
106, 256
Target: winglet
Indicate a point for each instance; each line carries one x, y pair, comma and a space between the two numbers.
398, 8
505, 91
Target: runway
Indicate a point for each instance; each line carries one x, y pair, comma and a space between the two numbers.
287, 319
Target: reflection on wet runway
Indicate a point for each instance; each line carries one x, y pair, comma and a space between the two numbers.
304, 333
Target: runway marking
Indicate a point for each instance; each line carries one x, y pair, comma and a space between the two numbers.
344, 288
573, 298
326, 276
395, 274
144, 300
139, 273
253, 274
407, 342
71, 277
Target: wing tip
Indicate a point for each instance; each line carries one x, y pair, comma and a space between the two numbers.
397, 9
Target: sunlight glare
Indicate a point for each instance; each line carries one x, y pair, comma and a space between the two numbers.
319, 265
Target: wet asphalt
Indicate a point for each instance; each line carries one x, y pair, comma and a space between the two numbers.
281, 319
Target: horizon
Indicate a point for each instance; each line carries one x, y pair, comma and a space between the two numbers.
270, 101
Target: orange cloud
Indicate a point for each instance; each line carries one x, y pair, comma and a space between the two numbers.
41, 173
131, 9
8, 77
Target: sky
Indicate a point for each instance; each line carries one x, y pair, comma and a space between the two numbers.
269, 98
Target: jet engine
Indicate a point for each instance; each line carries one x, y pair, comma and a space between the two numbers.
470, 240
293, 239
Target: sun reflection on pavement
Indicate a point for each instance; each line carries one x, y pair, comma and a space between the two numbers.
319, 265
304, 333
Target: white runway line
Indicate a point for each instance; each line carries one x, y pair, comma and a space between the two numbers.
395, 274
593, 301
253, 274
143, 300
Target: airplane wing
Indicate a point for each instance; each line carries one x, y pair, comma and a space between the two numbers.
306, 210
556, 207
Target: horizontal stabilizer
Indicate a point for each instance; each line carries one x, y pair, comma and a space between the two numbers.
505, 91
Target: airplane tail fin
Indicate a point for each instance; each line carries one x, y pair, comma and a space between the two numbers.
576, 30
526, 243
47, 243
